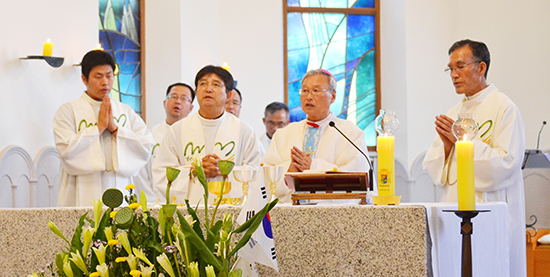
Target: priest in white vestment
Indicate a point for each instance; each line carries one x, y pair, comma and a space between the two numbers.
177, 105
311, 144
102, 143
211, 134
498, 147
276, 116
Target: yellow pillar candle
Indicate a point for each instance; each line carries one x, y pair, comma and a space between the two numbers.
225, 66
386, 165
465, 175
48, 48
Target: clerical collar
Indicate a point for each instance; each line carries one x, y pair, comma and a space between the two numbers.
211, 122
321, 123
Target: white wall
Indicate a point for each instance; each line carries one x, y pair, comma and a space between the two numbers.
183, 36
31, 90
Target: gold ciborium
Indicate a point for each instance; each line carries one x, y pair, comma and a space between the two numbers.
272, 175
244, 176
216, 187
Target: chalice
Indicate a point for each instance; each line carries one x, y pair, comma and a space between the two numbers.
273, 174
216, 188
244, 176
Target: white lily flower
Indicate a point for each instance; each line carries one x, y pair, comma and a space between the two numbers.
193, 269
132, 261
100, 253
210, 271
141, 256
76, 258
67, 269
103, 270
147, 271
166, 265
123, 238
108, 233
87, 240
98, 205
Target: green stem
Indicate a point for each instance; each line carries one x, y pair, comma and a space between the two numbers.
168, 192
218, 204
168, 232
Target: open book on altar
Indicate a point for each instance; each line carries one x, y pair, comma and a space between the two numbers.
328, 181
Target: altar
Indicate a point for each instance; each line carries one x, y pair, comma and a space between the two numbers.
345, 240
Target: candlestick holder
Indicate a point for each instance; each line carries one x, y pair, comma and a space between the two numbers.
466, 229
52, 61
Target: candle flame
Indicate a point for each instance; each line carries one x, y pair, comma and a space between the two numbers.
48, 41
464, 137
225, 66
98, 47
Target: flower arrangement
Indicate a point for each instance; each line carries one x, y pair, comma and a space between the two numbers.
125, 242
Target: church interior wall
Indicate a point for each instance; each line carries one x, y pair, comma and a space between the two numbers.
183, 36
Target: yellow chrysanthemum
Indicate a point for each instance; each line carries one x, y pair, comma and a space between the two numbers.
134, 206
113, 242
135, 273
94, 274
112, 214
120, 259
130, 186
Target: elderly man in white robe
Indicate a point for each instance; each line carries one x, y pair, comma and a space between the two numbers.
311, 144
177, 105
211, 135
498, 147
102, 143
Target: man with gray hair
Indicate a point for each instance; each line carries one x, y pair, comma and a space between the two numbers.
276, 116
310, 144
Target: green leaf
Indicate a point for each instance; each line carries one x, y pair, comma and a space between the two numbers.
104, 222
206, 254
76, 242
236, 273
213, 235
193, 213
251, 226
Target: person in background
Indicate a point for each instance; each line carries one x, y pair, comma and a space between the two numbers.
276, 116
498, 147
102, 143
311, 144
211, 135
177, 105
233, 103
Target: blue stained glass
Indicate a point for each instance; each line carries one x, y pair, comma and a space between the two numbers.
364, 4
344, 45
119, 36
331, 3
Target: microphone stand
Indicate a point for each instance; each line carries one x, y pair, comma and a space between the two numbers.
371, 185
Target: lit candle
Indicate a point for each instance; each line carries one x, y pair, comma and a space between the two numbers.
465, 175
48, 48
98, 47
225, 66
386, 165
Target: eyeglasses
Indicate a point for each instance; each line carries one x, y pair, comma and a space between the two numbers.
175, 97
279, 124
459, 67
315, 92
215, 85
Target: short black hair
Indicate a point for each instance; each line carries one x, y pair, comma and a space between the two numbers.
223, 74
479, 50
95, 58
239, 93
275, 106
183, 85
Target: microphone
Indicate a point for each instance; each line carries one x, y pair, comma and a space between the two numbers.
333, 125
538, 139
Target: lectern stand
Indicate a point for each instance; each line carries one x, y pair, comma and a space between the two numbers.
328, 182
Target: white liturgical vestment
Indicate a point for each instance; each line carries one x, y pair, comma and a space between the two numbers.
266, 141
232, 139
499, 148
90, 162
332, 151
143, 180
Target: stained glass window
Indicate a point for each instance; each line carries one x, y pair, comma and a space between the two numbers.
341, 37
119, 34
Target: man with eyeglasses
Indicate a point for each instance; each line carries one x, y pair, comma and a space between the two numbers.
498, 147
233, 104
311, 144
276, 116
102, 143
177, 105
211, 134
